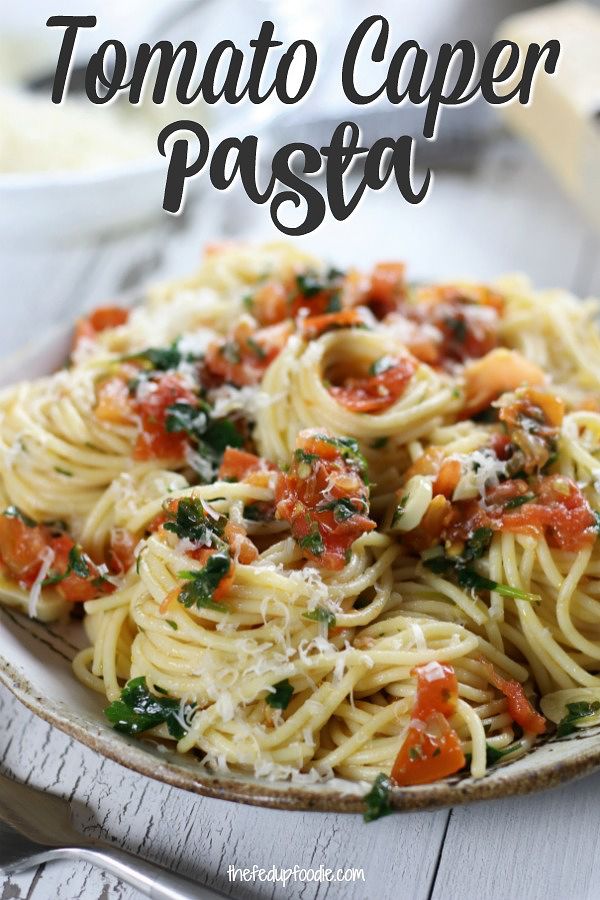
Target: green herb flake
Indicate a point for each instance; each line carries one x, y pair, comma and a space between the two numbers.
203, 582
320, 614
138, 710
514, 502
62, 471
312, 542
379, 443
256, 348
576, 715
377, 802
172, 624
343, 508
192, 522
280, 697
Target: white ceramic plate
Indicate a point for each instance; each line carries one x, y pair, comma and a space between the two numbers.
35, 664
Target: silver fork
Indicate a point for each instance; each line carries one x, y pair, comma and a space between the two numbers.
36, 827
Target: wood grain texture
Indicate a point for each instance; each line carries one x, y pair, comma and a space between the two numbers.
505, 216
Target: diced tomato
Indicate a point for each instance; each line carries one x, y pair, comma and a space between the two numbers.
447, 478
499, 371
22, 551
76, 588
324, 498
244, 356
21, 548
376, 392
387, 288
270, 303
431, 749
500, 444
559, 510
437, 689
550, 505
520, 709
314, 326
242, 548
238, 464
99, 320
154, 441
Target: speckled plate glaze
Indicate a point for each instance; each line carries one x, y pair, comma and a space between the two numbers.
35, 664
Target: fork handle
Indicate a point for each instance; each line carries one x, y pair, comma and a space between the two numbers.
152, 881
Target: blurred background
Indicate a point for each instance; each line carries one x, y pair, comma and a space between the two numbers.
81, 185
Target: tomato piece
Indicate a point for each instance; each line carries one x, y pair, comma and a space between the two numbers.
376, 392
500, 371
242, 548
21, 548
244, 356
431, 749
447, 478
314, 326
559, 510
238, 464
437, 689
151, 405
519, 707
270, 303
387, 288
324, 498
99, 320
76, 588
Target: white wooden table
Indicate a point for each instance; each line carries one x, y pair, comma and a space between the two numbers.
505, 216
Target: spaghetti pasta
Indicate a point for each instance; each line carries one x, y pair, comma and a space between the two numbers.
321, 523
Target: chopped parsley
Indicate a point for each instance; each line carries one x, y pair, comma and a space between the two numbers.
377, 802
138, 710
343, 508
210, 437
320, 614
514, 502
280, 697
310, 283
62, 471
77, 564
192, 522
493, 755
256, 348
458, 327
576, 715
379, 443
203, 583
159, 359
172, 624
312, 542
469, 578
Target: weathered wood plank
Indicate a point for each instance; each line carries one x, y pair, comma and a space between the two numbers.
201, 838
